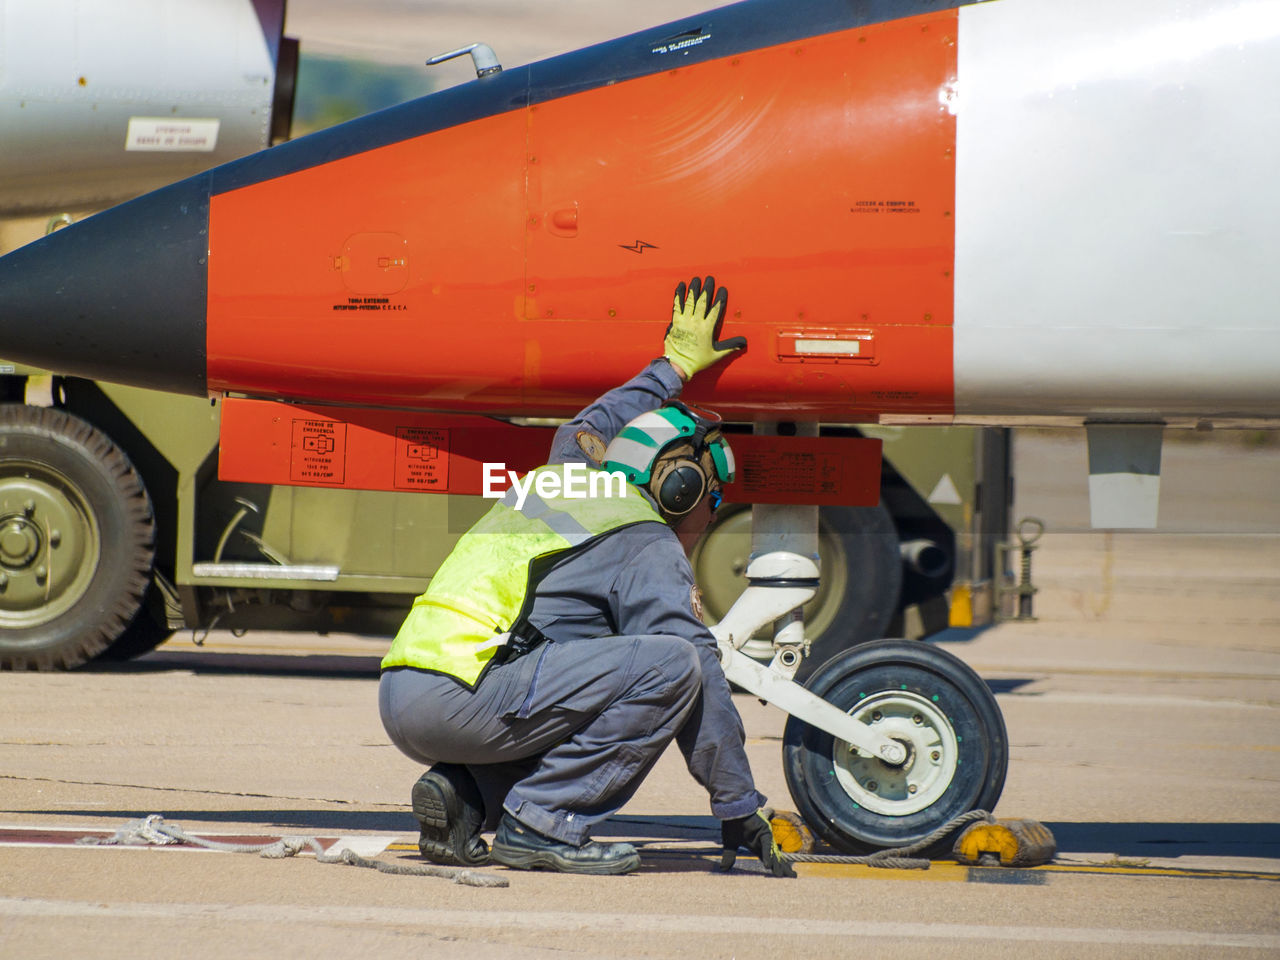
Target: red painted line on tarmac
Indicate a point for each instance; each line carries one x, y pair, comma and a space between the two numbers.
70, 837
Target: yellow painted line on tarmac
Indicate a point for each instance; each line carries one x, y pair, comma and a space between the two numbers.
937, 872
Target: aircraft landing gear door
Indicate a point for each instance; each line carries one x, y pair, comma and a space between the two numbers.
834, 156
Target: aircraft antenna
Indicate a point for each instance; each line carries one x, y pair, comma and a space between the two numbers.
482, 56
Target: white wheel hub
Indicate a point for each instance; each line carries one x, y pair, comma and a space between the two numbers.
932, 755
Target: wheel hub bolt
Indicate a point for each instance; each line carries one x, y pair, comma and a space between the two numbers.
29, 508
872, 785
917, 719
877, 717
4, 581
911, 788
19, 543
935, 755
42, 574
55, 538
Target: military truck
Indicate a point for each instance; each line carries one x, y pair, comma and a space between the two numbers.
115, 532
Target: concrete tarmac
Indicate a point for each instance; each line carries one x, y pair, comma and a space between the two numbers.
1143, 710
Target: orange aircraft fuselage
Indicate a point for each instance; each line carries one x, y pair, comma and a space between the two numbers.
523, 262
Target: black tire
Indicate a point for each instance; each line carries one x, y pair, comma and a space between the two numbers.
76, 539
141, 636
861, 578
931, 701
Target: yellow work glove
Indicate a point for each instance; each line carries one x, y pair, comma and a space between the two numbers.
691, 343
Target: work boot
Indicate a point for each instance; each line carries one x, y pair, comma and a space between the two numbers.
522, 848
449, 812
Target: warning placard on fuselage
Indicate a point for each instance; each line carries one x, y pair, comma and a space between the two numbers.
318, 453
422, 458
841, 471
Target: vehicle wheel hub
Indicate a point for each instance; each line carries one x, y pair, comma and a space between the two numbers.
48, 544
919, 725
20, 542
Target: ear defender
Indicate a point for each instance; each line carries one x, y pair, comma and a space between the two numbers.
678, 486
676, 453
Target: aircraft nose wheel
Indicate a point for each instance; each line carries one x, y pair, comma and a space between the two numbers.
927, 700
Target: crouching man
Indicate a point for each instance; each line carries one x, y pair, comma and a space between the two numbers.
559, 648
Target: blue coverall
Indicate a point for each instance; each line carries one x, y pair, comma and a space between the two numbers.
562, 737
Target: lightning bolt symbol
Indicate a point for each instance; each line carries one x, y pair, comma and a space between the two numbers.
638, 247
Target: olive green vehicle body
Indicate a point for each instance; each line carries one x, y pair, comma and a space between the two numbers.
255, 557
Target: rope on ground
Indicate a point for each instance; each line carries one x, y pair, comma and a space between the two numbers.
897, 858
153, 830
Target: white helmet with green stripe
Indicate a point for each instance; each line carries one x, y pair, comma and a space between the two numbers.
675, 452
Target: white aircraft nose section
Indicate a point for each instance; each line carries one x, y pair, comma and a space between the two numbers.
1117, 210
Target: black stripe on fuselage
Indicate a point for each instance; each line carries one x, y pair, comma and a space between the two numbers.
118, 296
724, 32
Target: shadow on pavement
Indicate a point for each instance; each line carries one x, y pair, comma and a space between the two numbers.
1007, 684
333, 666
1164, 840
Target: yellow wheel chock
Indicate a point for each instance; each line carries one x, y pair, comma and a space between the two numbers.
790, 832
1006, 843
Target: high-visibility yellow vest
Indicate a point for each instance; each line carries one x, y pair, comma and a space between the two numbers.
460, 623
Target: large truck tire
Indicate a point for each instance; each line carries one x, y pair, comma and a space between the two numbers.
141, 636
77, 539
861, 571
928, 700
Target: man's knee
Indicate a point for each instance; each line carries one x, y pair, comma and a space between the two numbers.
675, 661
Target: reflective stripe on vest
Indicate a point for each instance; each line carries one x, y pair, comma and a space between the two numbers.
458, 625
